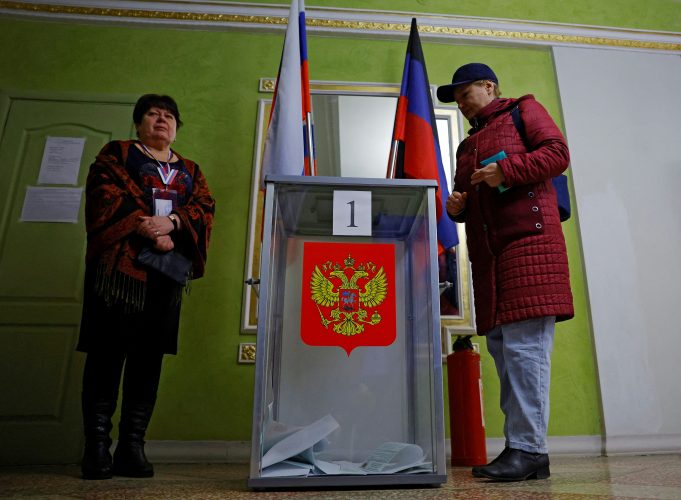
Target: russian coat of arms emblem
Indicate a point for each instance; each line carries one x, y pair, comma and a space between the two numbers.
348, 295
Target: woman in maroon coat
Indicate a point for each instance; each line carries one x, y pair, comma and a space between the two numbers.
517, 251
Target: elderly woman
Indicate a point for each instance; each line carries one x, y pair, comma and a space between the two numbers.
517, 251
141, 197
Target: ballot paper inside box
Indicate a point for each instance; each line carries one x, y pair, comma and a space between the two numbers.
348, 387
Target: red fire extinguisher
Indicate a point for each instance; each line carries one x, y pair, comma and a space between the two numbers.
466, 418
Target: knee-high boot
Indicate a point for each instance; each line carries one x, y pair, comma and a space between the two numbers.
97, 413
129, 458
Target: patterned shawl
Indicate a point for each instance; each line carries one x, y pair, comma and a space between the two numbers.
113, 203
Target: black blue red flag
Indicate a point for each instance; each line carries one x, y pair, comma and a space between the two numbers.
415, 135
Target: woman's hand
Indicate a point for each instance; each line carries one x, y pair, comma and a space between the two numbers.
456, 203
490, 174
153, 227
164, 243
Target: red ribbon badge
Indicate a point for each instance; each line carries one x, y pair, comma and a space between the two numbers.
348, 295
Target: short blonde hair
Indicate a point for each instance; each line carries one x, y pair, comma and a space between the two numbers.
497, 90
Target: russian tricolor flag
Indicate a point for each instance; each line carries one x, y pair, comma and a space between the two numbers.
289, 148
415, 134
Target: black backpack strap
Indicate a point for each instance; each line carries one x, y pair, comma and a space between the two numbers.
519, 125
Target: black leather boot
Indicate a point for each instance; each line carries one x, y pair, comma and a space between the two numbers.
516, 465
96, 463
477, 469
129, 459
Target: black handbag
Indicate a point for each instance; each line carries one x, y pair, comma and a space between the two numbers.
173, 264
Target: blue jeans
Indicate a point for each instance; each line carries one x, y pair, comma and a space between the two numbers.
522, 354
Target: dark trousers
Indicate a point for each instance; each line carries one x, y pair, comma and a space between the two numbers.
102, 375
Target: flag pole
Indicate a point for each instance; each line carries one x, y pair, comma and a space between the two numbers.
392, 160
310, 143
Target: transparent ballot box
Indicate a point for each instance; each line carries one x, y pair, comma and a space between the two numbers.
348, 382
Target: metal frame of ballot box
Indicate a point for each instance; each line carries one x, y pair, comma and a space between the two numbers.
348, 378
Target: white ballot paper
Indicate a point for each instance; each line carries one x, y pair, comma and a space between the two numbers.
294, 451
61, 160
300, 441
395, 457
288, 468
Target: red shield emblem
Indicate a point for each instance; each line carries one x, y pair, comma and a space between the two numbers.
348, 295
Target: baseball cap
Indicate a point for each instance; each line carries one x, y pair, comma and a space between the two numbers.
471, 72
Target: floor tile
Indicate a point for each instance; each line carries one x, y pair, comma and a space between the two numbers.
572, 478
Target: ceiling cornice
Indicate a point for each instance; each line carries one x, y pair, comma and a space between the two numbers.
334, 21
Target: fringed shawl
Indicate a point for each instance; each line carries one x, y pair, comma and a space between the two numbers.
113, 204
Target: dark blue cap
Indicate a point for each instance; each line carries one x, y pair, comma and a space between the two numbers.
471, 72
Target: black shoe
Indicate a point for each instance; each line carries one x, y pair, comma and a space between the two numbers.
477, 470
96, 462
129, 460
517, 465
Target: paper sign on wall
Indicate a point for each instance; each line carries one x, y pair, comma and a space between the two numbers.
51, 204
61, 160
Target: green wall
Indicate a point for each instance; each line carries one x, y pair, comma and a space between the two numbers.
205, 394
662, 15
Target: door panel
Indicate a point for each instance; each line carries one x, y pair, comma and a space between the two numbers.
47, 375
41, 276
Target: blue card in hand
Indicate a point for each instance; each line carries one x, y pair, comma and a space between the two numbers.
493, 159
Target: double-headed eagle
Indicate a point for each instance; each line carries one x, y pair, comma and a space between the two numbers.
348, 298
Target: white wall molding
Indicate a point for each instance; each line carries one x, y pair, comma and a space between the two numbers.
643, 444
236, 452
239, 452
558, 445
208, 15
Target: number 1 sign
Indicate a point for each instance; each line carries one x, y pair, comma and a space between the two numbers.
352, 213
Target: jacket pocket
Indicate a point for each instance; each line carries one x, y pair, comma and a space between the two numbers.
517, 214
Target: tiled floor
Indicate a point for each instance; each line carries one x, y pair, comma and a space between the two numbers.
656, 476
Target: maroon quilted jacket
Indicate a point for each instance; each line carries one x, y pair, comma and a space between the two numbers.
515, 241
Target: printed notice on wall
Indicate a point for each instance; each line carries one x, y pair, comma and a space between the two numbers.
61, 160
51, 204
